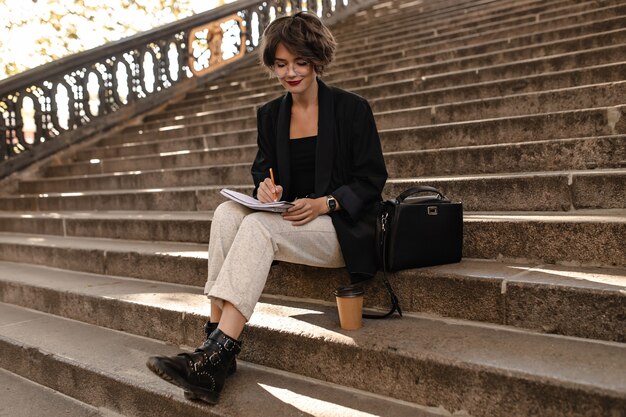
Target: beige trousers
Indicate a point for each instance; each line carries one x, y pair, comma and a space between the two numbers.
243, 243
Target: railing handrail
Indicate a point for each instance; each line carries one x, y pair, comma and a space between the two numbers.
62, 65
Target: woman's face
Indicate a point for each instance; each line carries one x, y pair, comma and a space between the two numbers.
294, 73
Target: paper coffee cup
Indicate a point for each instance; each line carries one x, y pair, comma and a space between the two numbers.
350, 306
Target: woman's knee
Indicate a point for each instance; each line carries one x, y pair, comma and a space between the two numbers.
230, 210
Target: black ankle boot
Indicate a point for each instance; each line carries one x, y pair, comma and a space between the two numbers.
210, 328
203, 372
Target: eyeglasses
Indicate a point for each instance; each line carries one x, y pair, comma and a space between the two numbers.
282, 69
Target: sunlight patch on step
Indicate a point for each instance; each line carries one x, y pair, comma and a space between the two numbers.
312, 406
126, 173
186, 254
618, 280
94, 161
166, 128
183, 302
71, 194
175, 153
300, 320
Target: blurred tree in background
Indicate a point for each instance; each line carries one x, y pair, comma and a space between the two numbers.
40, 31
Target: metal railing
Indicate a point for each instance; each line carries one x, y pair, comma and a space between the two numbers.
77, 90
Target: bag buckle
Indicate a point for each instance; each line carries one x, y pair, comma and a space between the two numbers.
432, 210
383, 222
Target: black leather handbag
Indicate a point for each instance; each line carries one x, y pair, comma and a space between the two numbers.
415, 230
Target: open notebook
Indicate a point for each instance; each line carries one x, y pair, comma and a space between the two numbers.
253, 203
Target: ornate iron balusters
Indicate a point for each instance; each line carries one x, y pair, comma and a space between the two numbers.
69, 94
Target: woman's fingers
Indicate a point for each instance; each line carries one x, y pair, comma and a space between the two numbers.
301, 212
265, 193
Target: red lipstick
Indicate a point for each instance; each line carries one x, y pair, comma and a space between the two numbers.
294, 83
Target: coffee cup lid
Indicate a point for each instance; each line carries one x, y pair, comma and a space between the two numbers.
349, 291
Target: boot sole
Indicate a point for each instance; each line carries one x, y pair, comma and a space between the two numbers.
191, 392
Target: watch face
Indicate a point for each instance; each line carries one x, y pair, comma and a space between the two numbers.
332, 204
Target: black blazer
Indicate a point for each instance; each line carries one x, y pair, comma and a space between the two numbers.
349, 165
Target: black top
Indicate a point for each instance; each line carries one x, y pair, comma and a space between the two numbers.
349, 164
302, 156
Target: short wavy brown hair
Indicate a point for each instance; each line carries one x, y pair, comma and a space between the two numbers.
304, 35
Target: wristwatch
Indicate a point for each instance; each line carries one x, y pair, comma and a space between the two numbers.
331, 203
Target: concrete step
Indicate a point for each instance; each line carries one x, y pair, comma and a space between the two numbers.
412, 93
446, 61
448, 49
162, 147
597, 234
23, 398
441, 75
486, 68
501, 293
530, 191
534, 191
163, 160
449, 17
511, 32
160, 199
580, 97
564, 14
385, 12
237, 173
416, 359
107, 368
530, 86
450, 60
462, 45
165, 226
551, 155
518, 69
511, 129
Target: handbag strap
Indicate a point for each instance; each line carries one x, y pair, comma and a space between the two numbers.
419, 189
395, 304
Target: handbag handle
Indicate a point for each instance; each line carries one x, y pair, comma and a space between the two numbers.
419, 189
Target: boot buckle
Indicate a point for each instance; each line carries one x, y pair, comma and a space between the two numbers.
229, 345
214, 358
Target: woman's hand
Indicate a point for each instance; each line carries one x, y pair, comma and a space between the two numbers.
265, 192
305, 210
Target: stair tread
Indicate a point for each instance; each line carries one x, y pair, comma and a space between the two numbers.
183, 153
111, 215
154, 126
578, 216
21, 397
598, 366
177, 249
609, 279
248, 164
121, 357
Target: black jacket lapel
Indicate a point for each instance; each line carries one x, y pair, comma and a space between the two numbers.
325, 150
282, 143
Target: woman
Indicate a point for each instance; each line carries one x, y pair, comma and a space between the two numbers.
323, 147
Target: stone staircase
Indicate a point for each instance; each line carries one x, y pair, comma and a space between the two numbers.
516, 108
